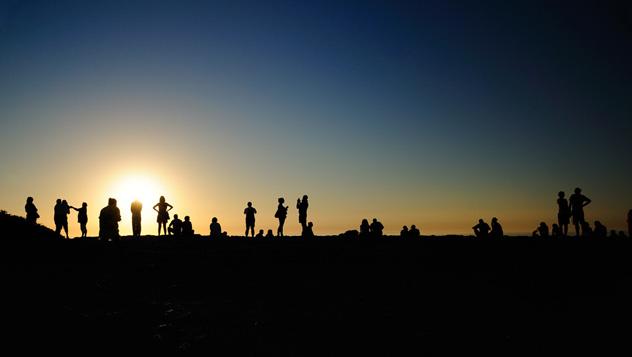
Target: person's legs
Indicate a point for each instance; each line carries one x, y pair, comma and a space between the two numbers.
84, 230
65, 225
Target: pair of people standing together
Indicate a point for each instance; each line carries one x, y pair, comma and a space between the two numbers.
281, 215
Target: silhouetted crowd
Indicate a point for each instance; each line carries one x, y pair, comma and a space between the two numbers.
569, 210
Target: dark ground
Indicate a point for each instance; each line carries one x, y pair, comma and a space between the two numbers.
330, 296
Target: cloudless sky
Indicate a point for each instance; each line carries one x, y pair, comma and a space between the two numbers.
433, 113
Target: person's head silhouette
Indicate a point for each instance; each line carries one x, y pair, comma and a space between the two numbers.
58, 201
114, 202
374, 220
413, 227
84, 205
578, 190
281, 200
175, 216
310, 224
249, 204
214, 220
29, 199
560, 194
304, 197
494, 220
481, 221
162, 199
405, 228
186, 218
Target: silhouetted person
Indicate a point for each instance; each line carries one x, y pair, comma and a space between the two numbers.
281, 214
481, 230
376, 228
556, 231
259, 234
163, 209
404, 232
302, 211
587, 232
175, 227
82, 218
365, 229
62, 210
269, 234
543, 230
600, 231
563, 212
414, 232
630, 223
577, 202
136, 209
187, 228
250, 219
109, 217
308, 232
497, 229
31, 211
216, 228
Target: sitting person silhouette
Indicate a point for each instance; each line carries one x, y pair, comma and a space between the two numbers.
600, 231
497, 229
175, 227
629, 220
308, 232
109, 217
541, 231
250, 219
556, 231
481, 230
259, 234
187, 228
31, 211
82, 218
269, 234
216, 228
365, 229
414, 232
163, 214
281, 214
577, 202
136, 209
404, 232
376, 228
587, 231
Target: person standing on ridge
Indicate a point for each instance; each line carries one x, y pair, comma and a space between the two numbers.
497, 229
281, 214
250, 218
377, 228
630, 223
302, 211
31, 211
82, 218
136, 208
577, 202
163, 214
563, 213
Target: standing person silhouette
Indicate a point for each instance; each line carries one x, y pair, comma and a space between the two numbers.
404, 232
365, 228
563, 213
376, 228
31, 211
630, 223
82, 218
281, 214
578, 202
250, 218
481, 230
302, 211
109, 217
163, 214
62, 210
136, 208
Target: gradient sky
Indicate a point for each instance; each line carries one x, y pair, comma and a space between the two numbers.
432, 113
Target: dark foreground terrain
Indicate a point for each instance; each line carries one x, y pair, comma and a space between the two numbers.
328, 296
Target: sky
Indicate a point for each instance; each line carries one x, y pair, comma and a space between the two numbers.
434, 113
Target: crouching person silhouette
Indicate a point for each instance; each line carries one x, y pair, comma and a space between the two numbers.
109, 217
